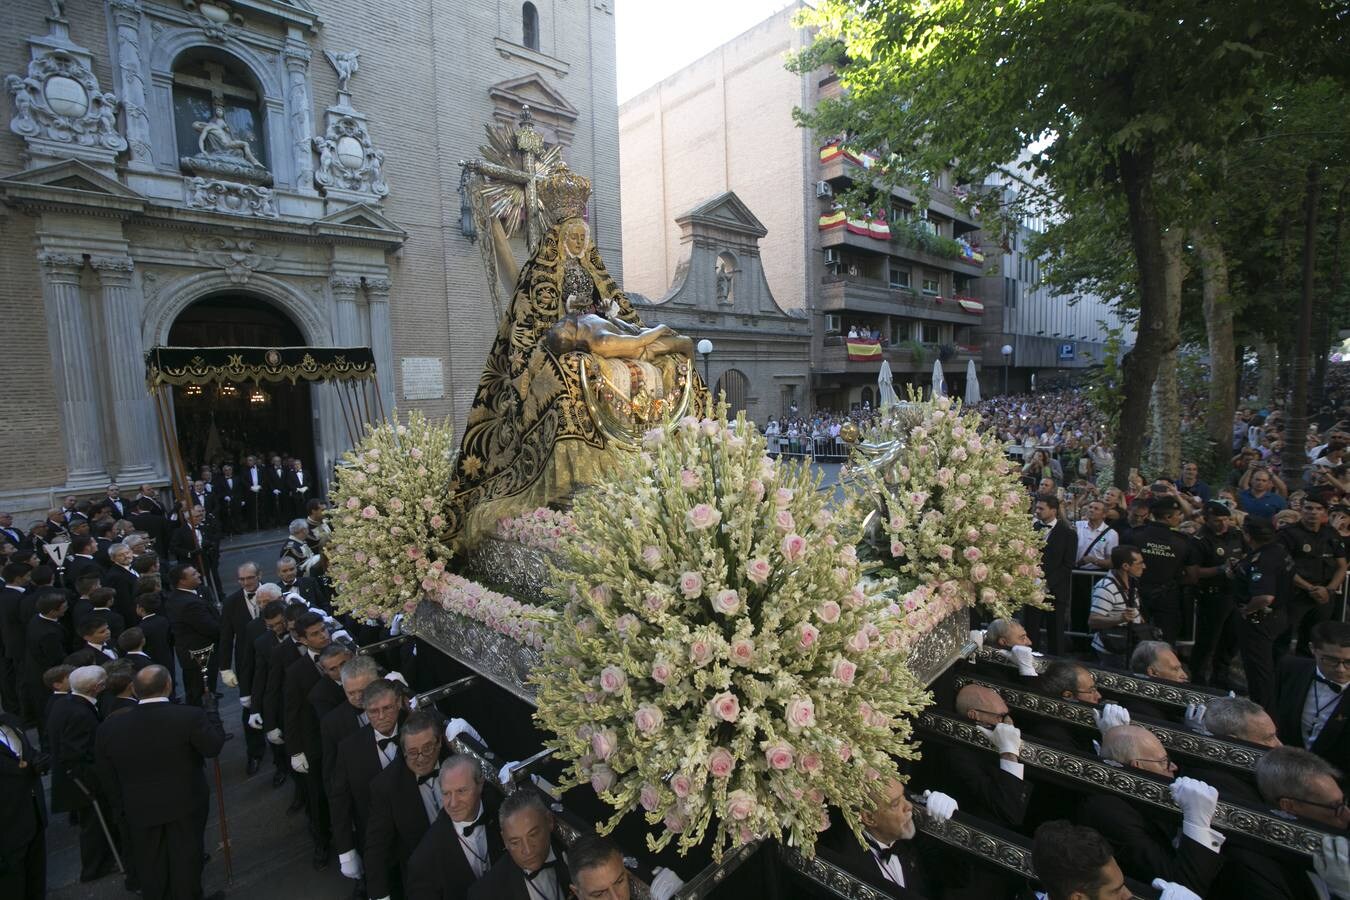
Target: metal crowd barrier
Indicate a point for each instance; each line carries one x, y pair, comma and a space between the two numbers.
824, 449
1231, 754
1267, 827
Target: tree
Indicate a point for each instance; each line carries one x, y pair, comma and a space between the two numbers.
1104, 93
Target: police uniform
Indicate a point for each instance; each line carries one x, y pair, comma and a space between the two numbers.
1216, 622
1267, 571
1167, 554
1316, 556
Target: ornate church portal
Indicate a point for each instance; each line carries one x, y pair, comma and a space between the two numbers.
225, 422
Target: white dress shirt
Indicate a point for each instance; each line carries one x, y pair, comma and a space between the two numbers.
1318, 707
891, 869
1103, 547
431, 797
475, 846
390, 751
544, 886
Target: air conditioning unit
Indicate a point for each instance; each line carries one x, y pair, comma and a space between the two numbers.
832, 259
823, 189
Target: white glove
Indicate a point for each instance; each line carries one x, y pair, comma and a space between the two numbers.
396, 625
274, 736
342, 635
664, 883
455, 727
977, 637
228, 677
1173, 891
1110, 716
351, 864
940, 806
1333, 865
1195, 718
1005, 738
1022, 657
504, 776
1196, 799
397, 676
246, 702
255, 721
300, 764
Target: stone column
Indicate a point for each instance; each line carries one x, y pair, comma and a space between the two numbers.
297, 54
71, 344
126, 16
135, 430
347, 320
381, 339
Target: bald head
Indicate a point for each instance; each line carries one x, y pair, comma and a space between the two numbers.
1134, 746
982, 705
153, 681
88, 680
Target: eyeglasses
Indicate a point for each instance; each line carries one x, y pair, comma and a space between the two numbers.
1333, 662
1337, 809
422, 753
1164, 762
1000, 717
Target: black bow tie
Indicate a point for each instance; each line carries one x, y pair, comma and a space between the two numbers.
468, 829
1335, 688
529, 876
1039, 526
383, 744
885, 853
423, 779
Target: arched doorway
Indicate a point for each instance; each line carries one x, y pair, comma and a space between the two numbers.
219, 424
736, 386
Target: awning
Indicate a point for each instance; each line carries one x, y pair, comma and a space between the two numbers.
236, 365
969, 305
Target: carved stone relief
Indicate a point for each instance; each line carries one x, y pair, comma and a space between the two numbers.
229, 197
348, 159
239, 258
59, 101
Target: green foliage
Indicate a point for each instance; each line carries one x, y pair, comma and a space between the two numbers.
912, 232
1104, 385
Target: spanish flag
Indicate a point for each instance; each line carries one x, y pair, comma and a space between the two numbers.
863, 350
832, 220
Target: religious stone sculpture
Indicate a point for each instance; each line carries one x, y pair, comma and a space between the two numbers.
59, 102
348, 159
573, 378
345, 64
229, 197
220, 153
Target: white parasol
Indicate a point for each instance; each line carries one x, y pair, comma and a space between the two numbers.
972, 384
885, 386
939, 383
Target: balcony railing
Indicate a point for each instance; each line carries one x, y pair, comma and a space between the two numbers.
852, 292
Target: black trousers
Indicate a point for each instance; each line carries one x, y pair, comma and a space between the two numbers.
1304, 614
169, 858
1257, 642
1056, 622
193, 687
9, 685
1215, 638
1163, 609
254, 740
316, 807
95, 855
23, 876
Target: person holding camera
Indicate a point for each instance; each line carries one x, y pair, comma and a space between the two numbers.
1262, 493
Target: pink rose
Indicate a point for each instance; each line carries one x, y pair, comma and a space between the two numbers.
725, 706
801, 713
972, 554
779, 756
651, 557
710, 428
414, 552
782, 497
612, 679
743, 651
848, 555
675, 821
369, 512
690, 480
681, 785
755, 489
654, 602
702, 516
859, 642
700, 652
844, 671
396, 504
647, 719
649, 797
359, 556
721, 763
793, 547
807, 636
758, 570
856, 596
727, 602
602, 778
782, 520
627, 625
946, 552
603, 743
740, 805
845, 752
353, 503
810, 764
979, 572
829, 612
437, 521
600, 595
691, 584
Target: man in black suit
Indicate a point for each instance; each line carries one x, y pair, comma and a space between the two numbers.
158, 630
16, 575
993, 788
1233, 719
300, 488
533, 866
228, 491
196, 625
114, 503
300, 727
1057, 560
348, 717
23, 809
238, 609
121, 577
1310, 709
8, 532
146, 498
404, 801
274, 485
100, 603
253, 481
96, 647
44, 647
269, 638
131, 645
890, 861
80, 561
71, 725
196, 543
1075, 863
201, 495
459, 847
1147, 845
290, 581
155, 756
359, 756
597, 869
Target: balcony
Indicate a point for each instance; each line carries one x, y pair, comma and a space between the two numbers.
849, 167
833, 359
840, 236
847, 293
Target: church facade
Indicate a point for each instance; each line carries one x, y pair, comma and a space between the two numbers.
261, 173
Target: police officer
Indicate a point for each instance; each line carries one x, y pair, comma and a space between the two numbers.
1170, 558
1220, 547
1319, 568
1263, 585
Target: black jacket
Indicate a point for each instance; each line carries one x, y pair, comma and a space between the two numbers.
71, 724
76, 567
263, 645
334, 727
154, 758
23, 806
195, 621
505, 880
1294, 678
1057, 560
283, 654
299, 723
1143, 844
45, 646
12, 635
395, 826
983, 788
183, 545
356, 763
841, 847
158, 632
439, 867
124, 583
234, 618
1253, 876
246, 657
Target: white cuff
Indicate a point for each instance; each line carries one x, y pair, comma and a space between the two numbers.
346, 857
1015, 769
1203, 835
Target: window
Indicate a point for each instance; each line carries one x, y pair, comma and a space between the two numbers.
833, 324
899, 278
529, 22
201, 84
930, 333
930, 286
899, 330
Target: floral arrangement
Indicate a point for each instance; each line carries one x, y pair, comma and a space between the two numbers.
387, 550
720, 662
521, 622
540, 529
953, 515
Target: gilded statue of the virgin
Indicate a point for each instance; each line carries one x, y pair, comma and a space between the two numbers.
572, 377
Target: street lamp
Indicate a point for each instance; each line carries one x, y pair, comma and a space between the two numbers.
1007, 357
705, 349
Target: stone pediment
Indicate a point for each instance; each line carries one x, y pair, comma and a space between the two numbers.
72, 182
726, 210
360, 220
536, 93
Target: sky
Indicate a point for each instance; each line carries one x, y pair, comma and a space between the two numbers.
657, 38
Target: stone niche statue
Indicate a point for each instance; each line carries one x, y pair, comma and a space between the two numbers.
59, 102
573, 378
223, 155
